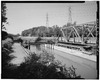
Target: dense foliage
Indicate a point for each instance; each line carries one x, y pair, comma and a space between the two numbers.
6, 51
56, 31
43, 31
42, 66
3, 14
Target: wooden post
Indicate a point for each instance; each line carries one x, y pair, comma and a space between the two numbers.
29, 45
61, 38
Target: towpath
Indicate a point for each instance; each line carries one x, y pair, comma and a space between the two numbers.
19, 54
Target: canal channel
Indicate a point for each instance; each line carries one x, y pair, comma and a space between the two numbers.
85, 68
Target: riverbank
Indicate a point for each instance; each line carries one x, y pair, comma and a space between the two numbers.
73, 52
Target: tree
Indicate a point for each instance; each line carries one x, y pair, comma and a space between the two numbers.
4, 20
69, 24
57, 31
51, 32
43, 31
3, 15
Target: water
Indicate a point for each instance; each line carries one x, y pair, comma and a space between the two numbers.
84, 67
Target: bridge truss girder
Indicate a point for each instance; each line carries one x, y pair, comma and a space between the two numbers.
74, 31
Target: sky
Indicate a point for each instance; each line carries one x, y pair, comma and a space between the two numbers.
22, 16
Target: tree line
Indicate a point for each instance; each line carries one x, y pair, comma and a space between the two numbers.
43, 31
55, 31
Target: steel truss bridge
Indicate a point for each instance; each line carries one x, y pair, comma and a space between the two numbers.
81, 33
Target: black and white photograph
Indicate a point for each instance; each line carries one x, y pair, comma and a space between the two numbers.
49, 40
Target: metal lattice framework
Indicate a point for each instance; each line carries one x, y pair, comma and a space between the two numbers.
70, 16
47, 21
82, 32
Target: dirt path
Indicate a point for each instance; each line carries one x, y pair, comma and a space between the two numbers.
18, 53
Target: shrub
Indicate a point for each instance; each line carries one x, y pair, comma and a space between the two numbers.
4, 35
46, 58
42, 66
38, 39
7, 43
6, 50
50, 42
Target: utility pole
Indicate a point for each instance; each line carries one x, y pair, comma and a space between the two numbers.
47, 24
69, 23
47, 21
70, 16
